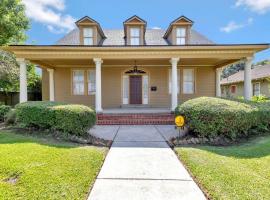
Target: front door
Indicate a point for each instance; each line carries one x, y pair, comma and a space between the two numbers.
135, 89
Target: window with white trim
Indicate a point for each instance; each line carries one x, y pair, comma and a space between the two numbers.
256, 89
181, 36
135, 36
91, 82
88, 38
78, 82
188, 81
170, 81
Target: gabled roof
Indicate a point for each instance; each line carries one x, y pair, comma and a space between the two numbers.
180, 20
258, 72
85, 19
89, 20
115, 37
135, 19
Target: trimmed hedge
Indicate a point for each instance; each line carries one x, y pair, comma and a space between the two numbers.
211, 117
3, 111
68, 118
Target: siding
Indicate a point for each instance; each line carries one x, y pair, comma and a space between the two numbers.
112, 86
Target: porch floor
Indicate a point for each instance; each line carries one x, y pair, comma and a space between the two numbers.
136, 110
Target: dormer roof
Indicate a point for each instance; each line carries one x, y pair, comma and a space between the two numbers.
182, 20
135, 19
88, 21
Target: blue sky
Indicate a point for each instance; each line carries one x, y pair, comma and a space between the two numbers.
224, 22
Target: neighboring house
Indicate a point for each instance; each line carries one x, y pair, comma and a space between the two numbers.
131, 66
233, 86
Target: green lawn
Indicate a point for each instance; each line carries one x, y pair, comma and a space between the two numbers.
36, 168
237, 172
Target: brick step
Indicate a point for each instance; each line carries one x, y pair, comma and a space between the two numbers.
135, 122
135, 116
136, 119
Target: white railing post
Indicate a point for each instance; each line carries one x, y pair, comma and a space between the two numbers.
98, 62
247, 78
23, 79
51, 83
174, 97
218, 89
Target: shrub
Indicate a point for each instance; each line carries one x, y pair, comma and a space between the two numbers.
207, 116
72, 119
260, 98
10, 117
3, 111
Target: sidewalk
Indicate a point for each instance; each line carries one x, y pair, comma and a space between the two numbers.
140, 165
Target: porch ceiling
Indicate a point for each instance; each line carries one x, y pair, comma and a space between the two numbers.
51, 63
73, 56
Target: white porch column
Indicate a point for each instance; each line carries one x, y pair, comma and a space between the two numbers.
23, 80
51, 83
98, 62
218, 89
174, 101
247, 78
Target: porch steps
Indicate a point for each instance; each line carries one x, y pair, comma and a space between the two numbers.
135, 119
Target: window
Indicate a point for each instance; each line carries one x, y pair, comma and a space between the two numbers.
78, 82
91, 82
88, 36
134, 36
188, 81
181, 36
178, 81
256, 89
233, 89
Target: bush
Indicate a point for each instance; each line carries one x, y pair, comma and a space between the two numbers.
260, 98
207, 116
68, 118
3, 111
10, 117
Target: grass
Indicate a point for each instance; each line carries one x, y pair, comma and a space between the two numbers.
236, 172
38, 168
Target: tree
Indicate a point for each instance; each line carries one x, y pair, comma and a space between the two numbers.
13, 22
9, 75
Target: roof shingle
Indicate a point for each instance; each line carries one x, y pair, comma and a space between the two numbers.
116, 37
256, 73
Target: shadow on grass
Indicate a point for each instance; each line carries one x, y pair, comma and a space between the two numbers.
19, 136
256, 148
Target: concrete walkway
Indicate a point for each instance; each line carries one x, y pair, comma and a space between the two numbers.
140, 165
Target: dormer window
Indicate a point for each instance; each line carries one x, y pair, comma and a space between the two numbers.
88, 36
90, 31
181, 34
179, 31
134, 29
135, 36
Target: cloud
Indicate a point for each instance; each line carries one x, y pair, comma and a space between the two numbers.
232, 25
49, 13
259, 6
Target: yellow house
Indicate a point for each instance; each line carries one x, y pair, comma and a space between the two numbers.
233, 86
134, 66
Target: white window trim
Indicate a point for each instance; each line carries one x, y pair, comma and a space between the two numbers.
145, 89
88, 37
235, 89
73, 82
259, 88
170, 81
193, 81
135, 37
88, 81
181, 37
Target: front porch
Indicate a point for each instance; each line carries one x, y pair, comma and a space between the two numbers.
107, 78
